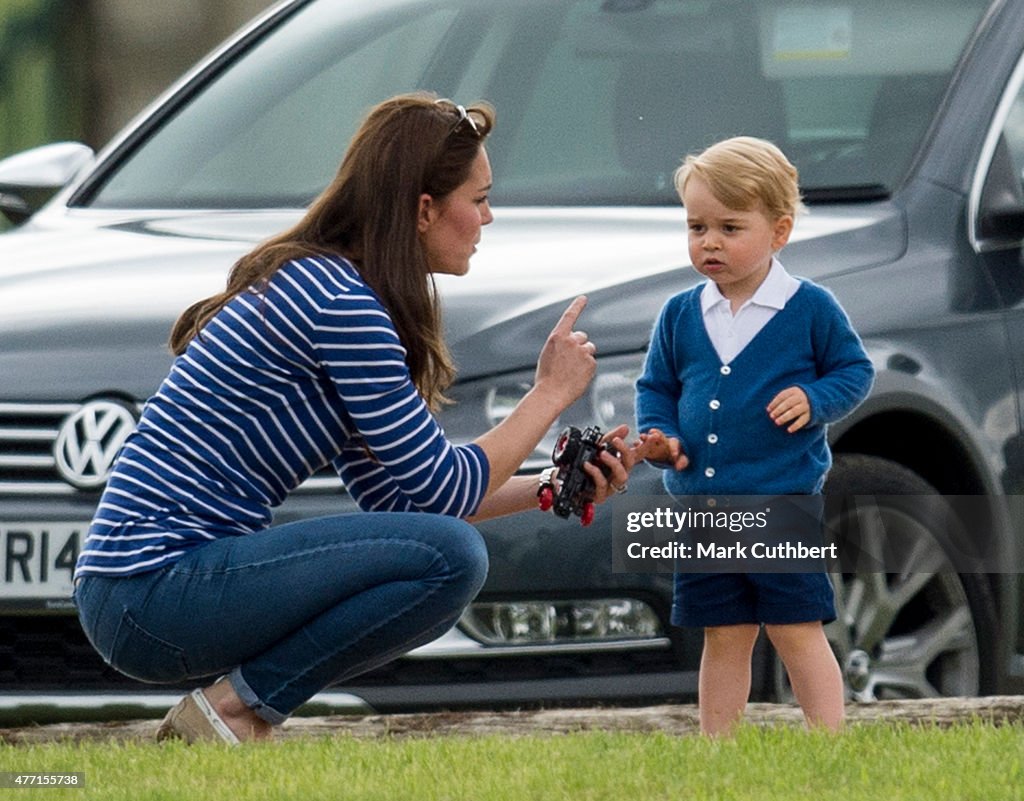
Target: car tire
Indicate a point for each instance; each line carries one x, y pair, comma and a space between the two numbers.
918, 633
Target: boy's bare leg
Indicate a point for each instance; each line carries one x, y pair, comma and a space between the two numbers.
813, 672
724, 684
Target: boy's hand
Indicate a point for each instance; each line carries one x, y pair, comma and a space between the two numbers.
790, 406
656, 447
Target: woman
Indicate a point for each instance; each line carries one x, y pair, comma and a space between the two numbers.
325, 347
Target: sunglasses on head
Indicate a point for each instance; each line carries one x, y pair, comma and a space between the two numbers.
464, 117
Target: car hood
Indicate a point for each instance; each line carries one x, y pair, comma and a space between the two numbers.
76, 286
628, 262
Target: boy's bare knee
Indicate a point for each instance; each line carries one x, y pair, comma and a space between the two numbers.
732, 639
796, 633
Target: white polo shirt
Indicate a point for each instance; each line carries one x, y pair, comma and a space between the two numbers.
731, 333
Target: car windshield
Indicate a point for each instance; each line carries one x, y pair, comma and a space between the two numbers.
598, 100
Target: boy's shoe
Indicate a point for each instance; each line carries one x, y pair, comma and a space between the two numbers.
193, 720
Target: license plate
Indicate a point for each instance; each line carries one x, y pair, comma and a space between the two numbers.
39, 562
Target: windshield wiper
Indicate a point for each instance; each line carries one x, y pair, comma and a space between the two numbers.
846, 194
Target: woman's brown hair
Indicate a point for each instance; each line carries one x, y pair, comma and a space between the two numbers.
407, 146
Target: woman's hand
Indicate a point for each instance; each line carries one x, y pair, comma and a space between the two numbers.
619, 467
565, 367
520, 493
566, 364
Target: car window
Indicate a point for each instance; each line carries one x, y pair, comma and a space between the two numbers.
598, 100
270, 131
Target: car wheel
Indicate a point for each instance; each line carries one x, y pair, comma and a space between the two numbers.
921, 631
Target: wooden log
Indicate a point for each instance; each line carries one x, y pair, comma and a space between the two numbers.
673, 719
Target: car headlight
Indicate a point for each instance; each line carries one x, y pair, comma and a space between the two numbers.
578, 621
609, 401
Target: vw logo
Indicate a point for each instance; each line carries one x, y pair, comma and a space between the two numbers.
89, 440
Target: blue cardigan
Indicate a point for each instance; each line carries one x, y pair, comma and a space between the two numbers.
718, 411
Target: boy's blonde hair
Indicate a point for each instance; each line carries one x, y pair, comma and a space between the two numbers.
746, 172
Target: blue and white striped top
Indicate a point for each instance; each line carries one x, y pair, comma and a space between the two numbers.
276, 386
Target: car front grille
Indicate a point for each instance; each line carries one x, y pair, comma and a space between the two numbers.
28, 432
50, 652
27, 435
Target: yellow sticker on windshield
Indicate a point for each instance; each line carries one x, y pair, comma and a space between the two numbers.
810, 33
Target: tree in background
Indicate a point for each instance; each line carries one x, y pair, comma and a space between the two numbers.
81, 69
43, 64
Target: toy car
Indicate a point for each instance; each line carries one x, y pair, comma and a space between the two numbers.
573, 449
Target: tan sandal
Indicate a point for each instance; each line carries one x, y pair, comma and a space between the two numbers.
193, 720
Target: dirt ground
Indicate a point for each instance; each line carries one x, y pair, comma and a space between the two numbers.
672, 719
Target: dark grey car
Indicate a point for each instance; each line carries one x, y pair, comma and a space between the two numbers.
907, 124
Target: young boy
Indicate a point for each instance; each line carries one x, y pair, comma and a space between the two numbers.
743, 374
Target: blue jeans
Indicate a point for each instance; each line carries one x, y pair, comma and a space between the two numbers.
290, 610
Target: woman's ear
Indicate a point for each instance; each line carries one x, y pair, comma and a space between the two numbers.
425, 216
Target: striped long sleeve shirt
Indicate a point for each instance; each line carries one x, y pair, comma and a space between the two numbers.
281, 382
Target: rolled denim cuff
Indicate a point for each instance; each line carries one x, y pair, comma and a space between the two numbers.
251, 700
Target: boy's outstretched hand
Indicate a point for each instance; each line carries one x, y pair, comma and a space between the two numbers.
790, 406
656, 447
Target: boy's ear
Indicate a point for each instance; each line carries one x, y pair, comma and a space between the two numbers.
781, 230
425, 215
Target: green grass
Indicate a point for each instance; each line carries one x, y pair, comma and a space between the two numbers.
869, 762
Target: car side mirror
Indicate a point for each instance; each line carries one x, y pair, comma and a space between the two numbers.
29, 179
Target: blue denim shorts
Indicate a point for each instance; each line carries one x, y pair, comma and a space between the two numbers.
727, 599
